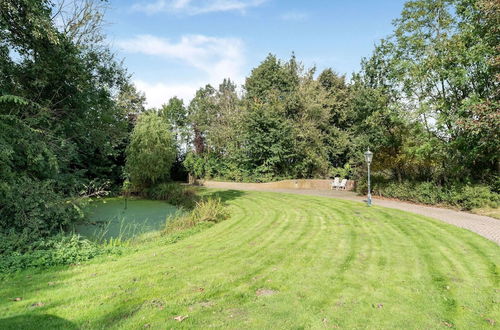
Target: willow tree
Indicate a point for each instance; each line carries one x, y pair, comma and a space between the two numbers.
151, 151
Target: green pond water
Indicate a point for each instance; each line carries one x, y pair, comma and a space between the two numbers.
109, 218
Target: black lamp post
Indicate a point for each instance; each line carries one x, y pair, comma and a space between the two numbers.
368, 159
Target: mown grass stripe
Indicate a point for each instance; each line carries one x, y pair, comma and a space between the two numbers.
330, 263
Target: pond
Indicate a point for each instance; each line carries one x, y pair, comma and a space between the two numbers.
116, 218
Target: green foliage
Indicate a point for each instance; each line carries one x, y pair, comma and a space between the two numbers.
269, 150
465, 197
208, 210
471, 197
194, 164
151, 151
343, 172
173, 193
13, 99
284, 126
53, 251
433, 90
62, 119
34, 208
271, 78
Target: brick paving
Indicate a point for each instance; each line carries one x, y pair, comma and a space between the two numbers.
485, 226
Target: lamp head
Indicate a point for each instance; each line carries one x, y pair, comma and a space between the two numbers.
368, 156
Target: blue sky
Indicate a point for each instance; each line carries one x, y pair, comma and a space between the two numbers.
173, 47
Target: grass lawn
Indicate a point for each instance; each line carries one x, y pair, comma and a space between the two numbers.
115, 217
280, 261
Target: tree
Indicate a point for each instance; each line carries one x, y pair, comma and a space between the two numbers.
175, 113
271, 79
151, 151
435, 77
267, 148
62, 125
200, 112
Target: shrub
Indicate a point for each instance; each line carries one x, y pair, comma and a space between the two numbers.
471, 197
53, 251
34, 208
466, 197
343, 172
173, 193
206, 211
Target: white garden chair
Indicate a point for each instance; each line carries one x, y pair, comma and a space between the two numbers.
335, 182
342, 184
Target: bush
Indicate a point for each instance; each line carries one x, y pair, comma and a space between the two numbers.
34, 209
471, 197
174, 194
343, 172
206, 211
465, 197
53, 251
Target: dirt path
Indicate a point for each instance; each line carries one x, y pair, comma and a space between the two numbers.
482, 225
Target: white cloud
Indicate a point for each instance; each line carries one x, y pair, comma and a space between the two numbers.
218, 58
213, 58
159, 93
294, 16
196, 7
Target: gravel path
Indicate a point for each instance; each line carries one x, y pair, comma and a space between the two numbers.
482, 225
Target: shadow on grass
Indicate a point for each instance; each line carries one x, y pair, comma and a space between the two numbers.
225, 195
35, 321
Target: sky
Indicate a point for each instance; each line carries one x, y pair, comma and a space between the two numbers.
174, 47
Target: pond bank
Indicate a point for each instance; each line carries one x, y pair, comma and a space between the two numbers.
119, 218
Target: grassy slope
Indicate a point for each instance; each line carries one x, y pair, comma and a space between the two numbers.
330, 263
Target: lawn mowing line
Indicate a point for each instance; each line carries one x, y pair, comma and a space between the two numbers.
450, 251
262, 230
230, 233
178, 291
366, 238
209, 238
439, 280
350, 242
347, 238
308, 231
270, 259
321, 217
471, 243
355, 225
424, 275
323, 213
265, 263
472, 277
278, 232
489, 265
236, 252
235, 221
377, 279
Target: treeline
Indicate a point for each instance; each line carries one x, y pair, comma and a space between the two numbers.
287, 124
65, 104
426, 103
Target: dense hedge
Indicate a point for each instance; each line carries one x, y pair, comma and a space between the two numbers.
465, 197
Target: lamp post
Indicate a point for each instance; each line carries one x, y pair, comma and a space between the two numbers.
368, 159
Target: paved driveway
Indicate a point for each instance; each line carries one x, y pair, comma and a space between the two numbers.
482, 225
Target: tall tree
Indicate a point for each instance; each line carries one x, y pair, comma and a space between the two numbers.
151, 151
